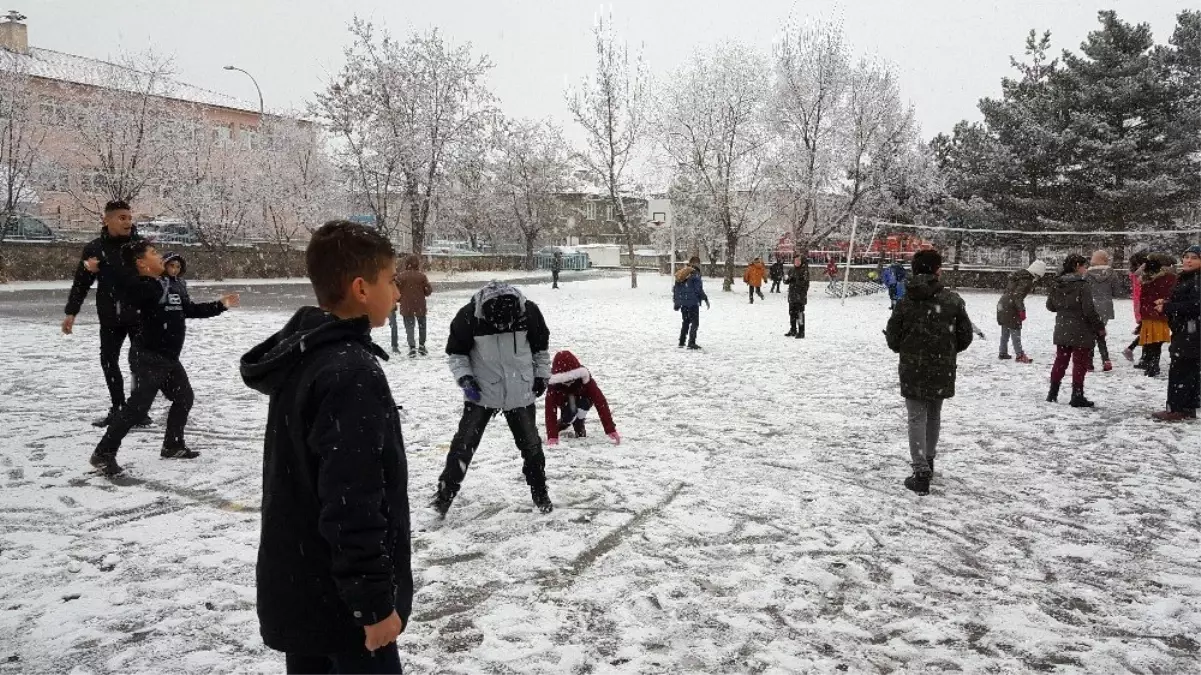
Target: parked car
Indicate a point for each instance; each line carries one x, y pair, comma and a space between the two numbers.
22, 228
170, 233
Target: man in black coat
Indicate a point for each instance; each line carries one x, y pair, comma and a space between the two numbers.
115, 321
334, 578
776, 273
798, 296
1183, 310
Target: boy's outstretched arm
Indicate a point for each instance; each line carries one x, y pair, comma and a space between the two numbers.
207, 310
348, 433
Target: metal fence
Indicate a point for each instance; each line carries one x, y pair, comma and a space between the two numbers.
570, 261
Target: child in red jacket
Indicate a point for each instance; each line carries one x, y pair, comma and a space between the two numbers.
570, 395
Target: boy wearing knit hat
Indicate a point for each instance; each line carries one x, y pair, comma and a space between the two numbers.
572, 392
1011, 309
1183, 310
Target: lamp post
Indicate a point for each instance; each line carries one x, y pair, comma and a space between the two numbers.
256, 87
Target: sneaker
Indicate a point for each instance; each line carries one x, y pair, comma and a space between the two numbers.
412, 352
1107, 366
541, 499
1004, 357
144, 422
800, 334
423, 351
791, 333
1022, 358
919, 482
1128, 353
106, 464
694, 346
180, 452
443, 498
1169, 416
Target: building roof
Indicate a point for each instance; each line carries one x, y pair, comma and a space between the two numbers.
51, 65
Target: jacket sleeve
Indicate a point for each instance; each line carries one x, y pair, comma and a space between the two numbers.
539, 337
83, 281
554, 399
1090, 311
347, 435
1184, 304
700, 290
895, 332
1052, 304
202, 310
128, 286
460, 343
963, 328
426, 287
602, 406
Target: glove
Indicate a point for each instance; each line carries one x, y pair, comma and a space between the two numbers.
539, 386
675, 308
471, 388
615, 437
707, 305
1021, 316
552, 442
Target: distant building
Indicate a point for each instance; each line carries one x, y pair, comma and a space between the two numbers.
67, 195
589, 215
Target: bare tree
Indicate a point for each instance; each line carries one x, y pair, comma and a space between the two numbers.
713, 123
531, 171
295, 178
470, 200
400, 108
21, 138
611, 105
123, 128
216, 188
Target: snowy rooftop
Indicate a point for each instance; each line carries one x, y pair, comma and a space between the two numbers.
53, 65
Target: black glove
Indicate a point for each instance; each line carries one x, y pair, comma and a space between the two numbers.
471, 388
539, 386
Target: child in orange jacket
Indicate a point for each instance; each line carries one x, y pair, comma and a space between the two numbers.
570, 395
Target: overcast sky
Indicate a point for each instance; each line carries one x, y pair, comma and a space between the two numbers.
948, 53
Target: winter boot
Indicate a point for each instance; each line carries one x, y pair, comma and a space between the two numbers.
412, 352
103, 421
1107, 366
1171, 416
144, 422
919, 482
179, 452
106, 463
791, 330
423, 351
694, 346
1022, 358
1004, 357
1053, 395
443, 499
541, 498
1078, 400
930, 461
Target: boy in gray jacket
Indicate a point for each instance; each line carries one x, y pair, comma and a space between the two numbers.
1105, 284
498, 354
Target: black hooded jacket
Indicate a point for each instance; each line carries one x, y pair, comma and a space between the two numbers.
108, 307
161, 310
334, 553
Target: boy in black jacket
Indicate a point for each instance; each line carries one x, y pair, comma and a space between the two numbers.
335, 585
154, 355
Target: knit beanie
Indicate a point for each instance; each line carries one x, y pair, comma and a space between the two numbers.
1038, 268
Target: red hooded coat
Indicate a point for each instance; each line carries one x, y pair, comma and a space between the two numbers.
569, 377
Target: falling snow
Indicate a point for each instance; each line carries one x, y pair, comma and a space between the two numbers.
752, 520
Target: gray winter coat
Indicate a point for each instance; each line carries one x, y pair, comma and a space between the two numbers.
1077, 323
1106, 284
504, 360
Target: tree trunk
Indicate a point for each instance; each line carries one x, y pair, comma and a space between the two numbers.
958, 256
633, 260
529, 253
416, 225
731, 249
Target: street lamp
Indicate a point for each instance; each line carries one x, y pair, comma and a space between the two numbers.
256, 87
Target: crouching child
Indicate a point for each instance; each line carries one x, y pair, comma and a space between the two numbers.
572, 392
158, 340
928, 328
334, 580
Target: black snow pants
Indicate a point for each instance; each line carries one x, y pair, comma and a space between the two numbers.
522, 424
152, 373
112, 338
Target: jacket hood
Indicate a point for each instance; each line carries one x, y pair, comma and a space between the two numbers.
685, 272
923, 287
567, 368
183, 264
266, 366
492, 291
413, 262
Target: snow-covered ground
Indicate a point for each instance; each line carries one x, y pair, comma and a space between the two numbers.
753, 520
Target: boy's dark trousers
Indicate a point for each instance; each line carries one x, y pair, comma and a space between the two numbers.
1184, 385
382, 660
112, 338
796, 314
569, 415
554, 275
754, 290
775, 286
692, 319
523, 424
152, 373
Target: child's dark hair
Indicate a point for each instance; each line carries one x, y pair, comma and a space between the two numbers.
1073, 261
116, 205
928, 261
134, 250
340, 252
1137, 260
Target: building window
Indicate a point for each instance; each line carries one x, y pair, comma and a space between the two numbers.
221, 135
608, 212
590, 210
58, 180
